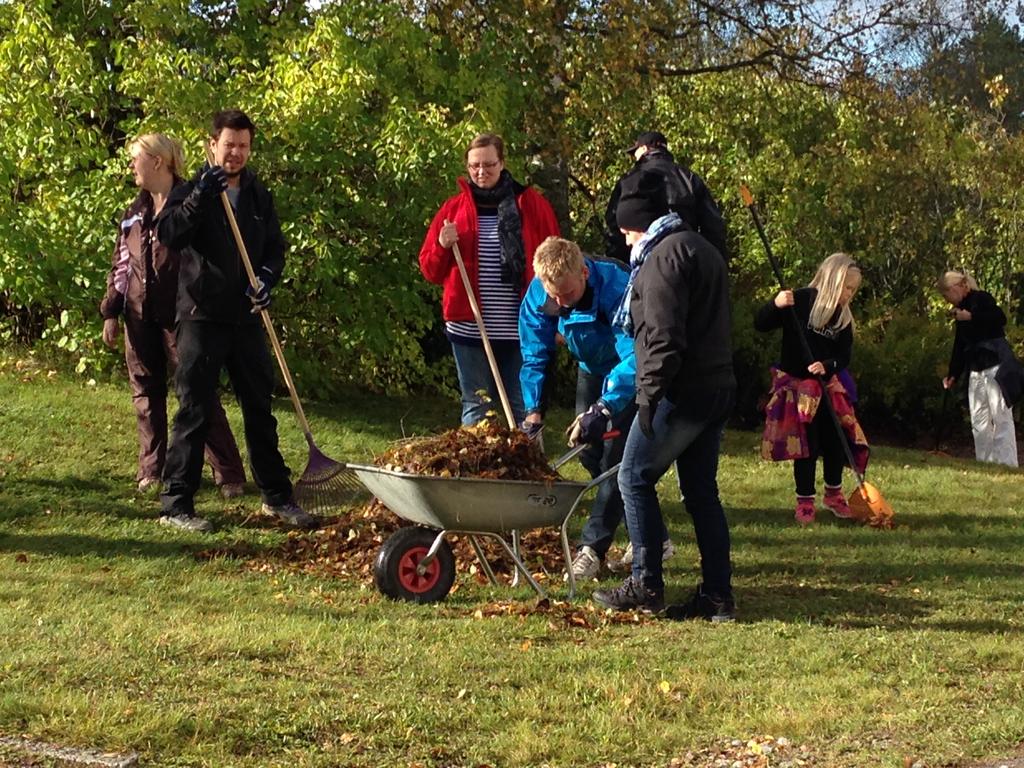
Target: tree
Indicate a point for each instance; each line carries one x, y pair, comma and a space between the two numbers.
984, 70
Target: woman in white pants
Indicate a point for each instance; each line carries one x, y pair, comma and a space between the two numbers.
979, 349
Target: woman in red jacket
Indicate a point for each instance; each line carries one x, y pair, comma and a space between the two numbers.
142, 287
498, 224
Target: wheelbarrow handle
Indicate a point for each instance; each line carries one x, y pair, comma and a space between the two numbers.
577, 450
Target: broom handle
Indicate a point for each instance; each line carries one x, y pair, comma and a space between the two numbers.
483, 336
748, 201
264, 314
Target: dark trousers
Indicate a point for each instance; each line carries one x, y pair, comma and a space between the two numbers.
688, 435
822, 440
151, 353
607, 511
203, 349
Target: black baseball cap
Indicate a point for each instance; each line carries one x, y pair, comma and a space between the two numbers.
648, 139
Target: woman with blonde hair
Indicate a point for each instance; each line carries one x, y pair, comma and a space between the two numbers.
796, 427
981, 350
142, 288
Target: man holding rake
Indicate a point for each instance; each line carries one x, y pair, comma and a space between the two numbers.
219, 324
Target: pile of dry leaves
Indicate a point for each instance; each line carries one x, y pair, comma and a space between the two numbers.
486, 450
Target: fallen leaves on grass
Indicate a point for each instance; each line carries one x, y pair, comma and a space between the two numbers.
560, 614
756, 752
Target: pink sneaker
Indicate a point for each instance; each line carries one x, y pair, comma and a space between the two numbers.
834, 500
804, 510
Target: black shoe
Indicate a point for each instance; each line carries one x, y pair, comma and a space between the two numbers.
704, 605
631, 596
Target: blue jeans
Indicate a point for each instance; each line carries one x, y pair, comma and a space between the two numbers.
475, 377
689, 435
606, 512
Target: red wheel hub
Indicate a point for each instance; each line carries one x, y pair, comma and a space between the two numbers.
409, 578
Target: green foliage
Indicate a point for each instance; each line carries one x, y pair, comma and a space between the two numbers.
364, 108
900, 356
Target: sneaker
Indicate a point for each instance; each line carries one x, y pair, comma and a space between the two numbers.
834, 500
626, 563
187, 522
586, 565
232, 490
146, 483
292, 514
704, 605
631, 596
804, 510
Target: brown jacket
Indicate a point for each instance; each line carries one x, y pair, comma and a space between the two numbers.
143, 278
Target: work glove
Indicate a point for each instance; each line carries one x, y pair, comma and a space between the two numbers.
212, 181
531, 429
589, 426
644, 417
259, 294
593, 424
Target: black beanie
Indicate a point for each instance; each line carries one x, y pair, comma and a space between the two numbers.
642, 200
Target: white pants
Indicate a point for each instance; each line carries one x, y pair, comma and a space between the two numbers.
995, 438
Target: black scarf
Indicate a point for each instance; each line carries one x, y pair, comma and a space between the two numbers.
510, 226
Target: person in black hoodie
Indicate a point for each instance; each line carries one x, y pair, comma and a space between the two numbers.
685, 192
677, 308
981, 351
218, 323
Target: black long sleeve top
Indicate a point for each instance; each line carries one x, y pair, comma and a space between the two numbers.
832, 348
987, 322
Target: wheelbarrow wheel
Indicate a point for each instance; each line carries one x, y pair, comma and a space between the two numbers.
395, 572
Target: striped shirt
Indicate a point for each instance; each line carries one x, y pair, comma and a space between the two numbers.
499, 301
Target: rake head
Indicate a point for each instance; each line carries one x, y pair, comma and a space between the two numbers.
870, 507
327, 485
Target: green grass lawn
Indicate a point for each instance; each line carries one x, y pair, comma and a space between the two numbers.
866, 647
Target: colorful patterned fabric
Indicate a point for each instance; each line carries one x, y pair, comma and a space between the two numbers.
793, 404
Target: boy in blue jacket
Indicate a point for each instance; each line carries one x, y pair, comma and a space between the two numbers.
576, 297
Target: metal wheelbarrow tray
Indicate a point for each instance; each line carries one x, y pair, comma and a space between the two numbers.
417, 564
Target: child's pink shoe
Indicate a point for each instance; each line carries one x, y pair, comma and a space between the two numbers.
804, 510
834, 500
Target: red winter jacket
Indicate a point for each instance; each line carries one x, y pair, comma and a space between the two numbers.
438, 264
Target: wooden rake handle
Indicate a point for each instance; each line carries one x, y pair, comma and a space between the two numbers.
498, 382
300, 414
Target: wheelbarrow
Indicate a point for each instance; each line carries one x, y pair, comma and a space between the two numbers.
416, 563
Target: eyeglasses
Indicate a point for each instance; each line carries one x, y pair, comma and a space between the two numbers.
483, 166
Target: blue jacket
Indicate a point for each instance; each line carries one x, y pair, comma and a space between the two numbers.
601, 349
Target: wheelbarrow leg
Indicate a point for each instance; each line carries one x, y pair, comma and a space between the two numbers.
520, 566
517, 550
567, 552
482, 559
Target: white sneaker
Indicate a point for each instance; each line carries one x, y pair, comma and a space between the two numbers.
586, 565
292, 514
187, 523
667, 550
